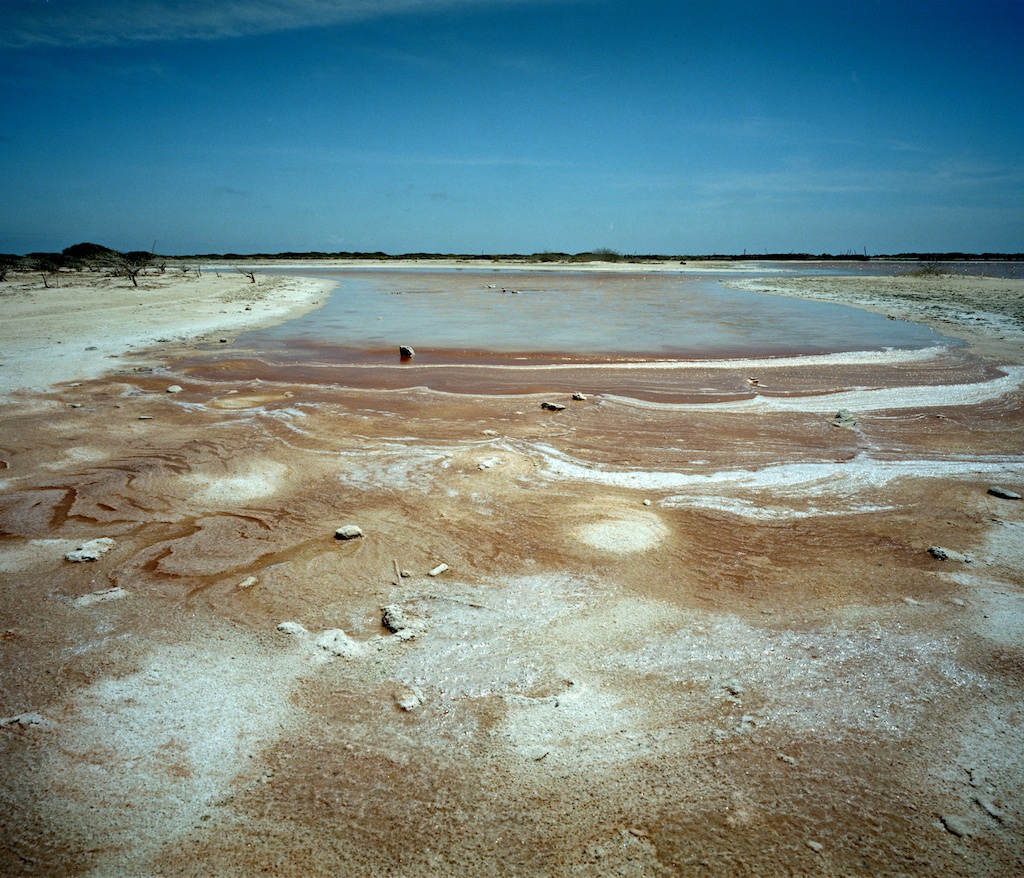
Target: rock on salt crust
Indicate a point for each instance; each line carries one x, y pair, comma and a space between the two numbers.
100, 597
92, 550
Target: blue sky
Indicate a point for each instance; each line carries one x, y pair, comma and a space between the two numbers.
496, 126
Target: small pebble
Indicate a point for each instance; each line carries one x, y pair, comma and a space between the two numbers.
91, 550
815, 846
552, 406
438, 570
954, 825
348, 532
1003, 493
293, 628
174, 388
248, 582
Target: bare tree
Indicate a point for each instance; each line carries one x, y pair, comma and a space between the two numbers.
249, 274
129, 265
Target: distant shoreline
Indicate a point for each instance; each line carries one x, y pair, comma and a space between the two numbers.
77, 327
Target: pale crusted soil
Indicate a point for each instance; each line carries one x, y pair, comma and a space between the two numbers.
987, 312
84, 322
693, 638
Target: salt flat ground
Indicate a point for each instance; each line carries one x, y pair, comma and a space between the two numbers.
703, 636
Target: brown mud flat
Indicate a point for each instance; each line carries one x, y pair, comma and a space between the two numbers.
688, 626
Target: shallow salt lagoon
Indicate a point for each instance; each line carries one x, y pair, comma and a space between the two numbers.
444, 313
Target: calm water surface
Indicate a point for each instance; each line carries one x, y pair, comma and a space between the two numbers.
445, 313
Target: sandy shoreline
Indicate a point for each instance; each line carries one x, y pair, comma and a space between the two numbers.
76, 330
986, 312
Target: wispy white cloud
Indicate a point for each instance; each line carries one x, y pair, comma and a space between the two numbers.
111, 22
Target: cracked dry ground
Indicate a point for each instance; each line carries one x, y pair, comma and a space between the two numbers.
761, 671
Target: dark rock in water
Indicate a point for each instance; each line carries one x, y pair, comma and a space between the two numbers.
348, 532
844, 418
552, 406
1003, 494
406, 352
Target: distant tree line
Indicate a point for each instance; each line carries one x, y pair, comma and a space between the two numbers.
83, 257
131, 264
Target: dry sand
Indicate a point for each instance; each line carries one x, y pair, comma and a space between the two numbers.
671, 639
73, 329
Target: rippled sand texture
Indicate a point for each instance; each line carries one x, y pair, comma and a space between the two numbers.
695, 636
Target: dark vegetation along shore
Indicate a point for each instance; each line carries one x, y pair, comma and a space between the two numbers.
88, 255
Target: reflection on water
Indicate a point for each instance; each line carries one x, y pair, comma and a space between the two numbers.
576, 315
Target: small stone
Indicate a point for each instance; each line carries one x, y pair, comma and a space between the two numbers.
348, 532
223, 341
102, 596
488, 432
174, 388
406, 352
1003, 493
438, 570
410, 700
941, 554
145, 417
579, 397
552, 406
393, 618
248, 582
815, 846
74, 405
954, 825
844, 418
789, 760
647, 502
337, 642
293, 628
91, 550
25, 720
910, 602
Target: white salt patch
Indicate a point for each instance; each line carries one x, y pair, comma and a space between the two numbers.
793, 479
871, 677
161, 745
758, 510
859, 400
998, 615
399, 467
258, 480
623, 535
